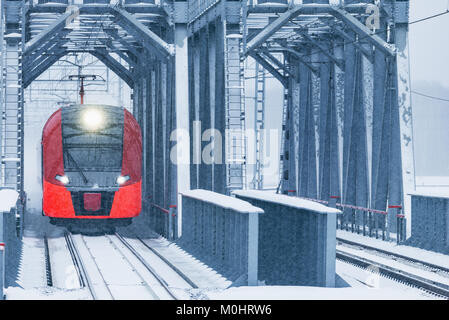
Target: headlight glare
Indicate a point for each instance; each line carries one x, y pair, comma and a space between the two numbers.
92, 119
63, 179
122, 179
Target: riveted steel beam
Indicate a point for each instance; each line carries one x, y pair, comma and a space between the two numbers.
272, 59
340, 63
300, 57
335, 11
114, 65
363, 31
119, 52
142, 34
113, 33
29, 77
43, 37
257, 56
369, 54
30, 62
99, 9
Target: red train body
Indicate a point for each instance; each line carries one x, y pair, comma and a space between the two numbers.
92, 164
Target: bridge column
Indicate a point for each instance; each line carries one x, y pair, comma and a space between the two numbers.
355, 171
307, 168
329, 154
194, 129
381, 123
12, 111
148, 144
182, 110
289, 155
205, 167
405, 164
220, 109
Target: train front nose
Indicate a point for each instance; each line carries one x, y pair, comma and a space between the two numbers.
92, 201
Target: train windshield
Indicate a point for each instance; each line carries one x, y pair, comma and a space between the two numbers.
93, 157
88, 148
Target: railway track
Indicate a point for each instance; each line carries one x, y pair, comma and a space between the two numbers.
403, 275
102, 277
428, 265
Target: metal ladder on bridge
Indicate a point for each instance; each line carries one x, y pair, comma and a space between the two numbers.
13, 103
259, 125
235, 112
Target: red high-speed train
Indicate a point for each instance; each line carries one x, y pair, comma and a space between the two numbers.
92, 165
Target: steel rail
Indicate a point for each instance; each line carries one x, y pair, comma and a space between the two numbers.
147, 266
79, 265
393, 254
171, 265
47, 263
409, 279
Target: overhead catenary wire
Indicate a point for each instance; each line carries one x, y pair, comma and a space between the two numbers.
429, 96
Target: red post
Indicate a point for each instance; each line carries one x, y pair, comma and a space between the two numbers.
82, 90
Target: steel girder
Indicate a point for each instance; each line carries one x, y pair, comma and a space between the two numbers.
314, 9
142, 34
275, 72
57, 34
46, 35
30, 75
114, 65
354, 138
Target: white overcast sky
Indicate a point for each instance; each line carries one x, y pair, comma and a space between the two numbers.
429, 42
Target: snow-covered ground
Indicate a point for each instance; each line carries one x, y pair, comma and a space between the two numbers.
352, 282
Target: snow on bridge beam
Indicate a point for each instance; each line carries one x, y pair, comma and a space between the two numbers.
141, 33
29, 77
363, 31
45, 36
335, 11
119, 52
113, 33
36, 59
55, 40
98, 9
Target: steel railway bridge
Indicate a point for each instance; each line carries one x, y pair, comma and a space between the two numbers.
347, 131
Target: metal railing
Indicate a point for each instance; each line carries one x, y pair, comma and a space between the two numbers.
366, 221
164, 221
297, 239
430, 222
11, 229
222, 232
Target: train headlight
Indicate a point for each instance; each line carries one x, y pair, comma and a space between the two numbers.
122, 179
92, 119
63, 179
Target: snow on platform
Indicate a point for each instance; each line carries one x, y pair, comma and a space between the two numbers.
435, 258
293, 202
221, 200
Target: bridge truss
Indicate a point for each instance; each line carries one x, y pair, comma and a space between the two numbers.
344, 67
